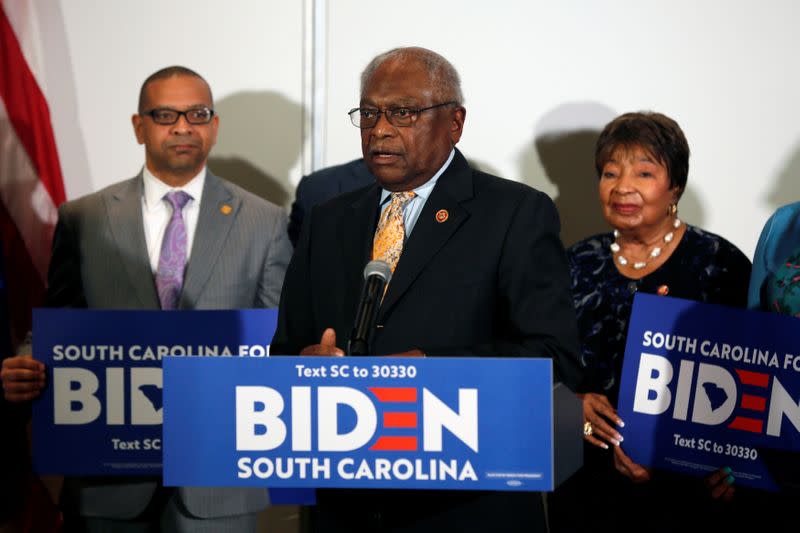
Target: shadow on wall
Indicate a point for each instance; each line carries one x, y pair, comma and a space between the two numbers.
787, 187
690, 208
562, 155
246, 175
260, 139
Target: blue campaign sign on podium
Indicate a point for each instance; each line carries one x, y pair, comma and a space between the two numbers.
359, 422
706, 387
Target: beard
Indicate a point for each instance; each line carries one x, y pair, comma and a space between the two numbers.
178, 161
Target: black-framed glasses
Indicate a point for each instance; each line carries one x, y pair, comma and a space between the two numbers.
367, 117
166, 116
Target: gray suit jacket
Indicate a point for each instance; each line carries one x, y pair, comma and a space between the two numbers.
238, 260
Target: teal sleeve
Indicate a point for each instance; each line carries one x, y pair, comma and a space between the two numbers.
760, 267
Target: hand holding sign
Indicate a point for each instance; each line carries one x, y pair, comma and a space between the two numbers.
600, 414
23, 378
624, 465
720, 484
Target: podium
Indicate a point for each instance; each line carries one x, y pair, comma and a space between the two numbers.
369, 422
567, 433
235, 417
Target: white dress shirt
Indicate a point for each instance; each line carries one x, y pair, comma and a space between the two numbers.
156, 212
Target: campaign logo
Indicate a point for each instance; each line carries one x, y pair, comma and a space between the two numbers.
77, 396
743, 400
338, 420
260, 425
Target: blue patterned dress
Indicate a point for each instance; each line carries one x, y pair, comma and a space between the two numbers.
782, 288
704, 267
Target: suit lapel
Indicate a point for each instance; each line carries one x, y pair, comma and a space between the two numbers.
356, 233
124, 213
218, 210
429, 235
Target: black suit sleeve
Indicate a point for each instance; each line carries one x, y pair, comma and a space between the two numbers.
298, 212
534, 277
534, 314
292, 333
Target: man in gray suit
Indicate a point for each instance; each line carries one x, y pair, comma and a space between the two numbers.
173, 237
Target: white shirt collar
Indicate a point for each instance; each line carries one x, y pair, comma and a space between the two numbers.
155, 189
424, 190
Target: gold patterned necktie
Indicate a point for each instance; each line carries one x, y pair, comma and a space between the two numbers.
388, 243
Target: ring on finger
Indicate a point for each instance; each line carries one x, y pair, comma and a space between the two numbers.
587, 429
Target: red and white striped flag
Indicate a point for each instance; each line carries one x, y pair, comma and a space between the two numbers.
31, 183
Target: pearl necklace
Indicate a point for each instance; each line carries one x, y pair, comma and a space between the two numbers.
655, 252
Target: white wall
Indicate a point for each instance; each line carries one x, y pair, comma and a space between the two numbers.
723, 69
249, 51
540, 80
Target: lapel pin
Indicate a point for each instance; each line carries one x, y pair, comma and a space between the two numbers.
442, 215
225, 209
663, 290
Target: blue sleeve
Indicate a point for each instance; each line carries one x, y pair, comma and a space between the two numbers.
760, 266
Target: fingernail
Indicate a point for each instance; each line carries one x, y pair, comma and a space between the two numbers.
620, 423
727, 470
616, 442
729, 480
605, 446
620, 438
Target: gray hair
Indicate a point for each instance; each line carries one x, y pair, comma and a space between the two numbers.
444, 77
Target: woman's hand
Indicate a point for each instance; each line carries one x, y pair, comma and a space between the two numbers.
599, 418
635, 472
720, 484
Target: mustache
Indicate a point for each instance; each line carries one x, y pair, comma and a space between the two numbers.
182, 141
373, 150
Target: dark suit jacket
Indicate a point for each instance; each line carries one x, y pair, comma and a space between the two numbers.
491, 280
239, 256
321, 186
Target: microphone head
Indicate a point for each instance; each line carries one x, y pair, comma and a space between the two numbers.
378, 268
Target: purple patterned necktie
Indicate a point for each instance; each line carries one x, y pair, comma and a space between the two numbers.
172, 261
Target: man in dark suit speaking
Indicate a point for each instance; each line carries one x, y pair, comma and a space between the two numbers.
173, 237
479, 270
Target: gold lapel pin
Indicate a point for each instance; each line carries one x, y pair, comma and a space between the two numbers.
663, 290
442, 215
225, 209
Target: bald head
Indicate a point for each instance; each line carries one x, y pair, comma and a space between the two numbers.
443, 77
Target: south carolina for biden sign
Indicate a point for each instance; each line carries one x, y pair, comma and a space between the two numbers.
101, 412
706, 386
438, 423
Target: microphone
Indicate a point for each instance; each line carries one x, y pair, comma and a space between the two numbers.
376, 277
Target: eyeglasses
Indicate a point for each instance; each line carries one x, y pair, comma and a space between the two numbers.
166, 116
367, 117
